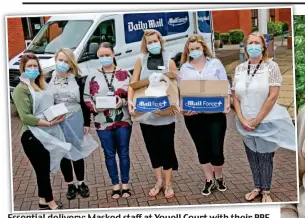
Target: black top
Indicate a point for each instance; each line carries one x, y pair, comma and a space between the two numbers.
86, 111
154, 61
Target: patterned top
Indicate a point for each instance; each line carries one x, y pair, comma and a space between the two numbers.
95, 86
66, 90
252, 91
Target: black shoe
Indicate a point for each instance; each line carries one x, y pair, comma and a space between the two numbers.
83, 190
46, 206
71, 194
221, 185
208, 188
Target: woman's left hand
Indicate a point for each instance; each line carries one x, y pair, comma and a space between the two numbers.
175, 111
86, 129
120, 102
254, 123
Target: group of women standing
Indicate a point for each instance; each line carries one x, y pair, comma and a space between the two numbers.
65, 141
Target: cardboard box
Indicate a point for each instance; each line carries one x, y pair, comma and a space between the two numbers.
208, 96
105, 102
55, 111
160, 105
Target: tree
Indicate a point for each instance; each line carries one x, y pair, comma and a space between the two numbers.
299, 47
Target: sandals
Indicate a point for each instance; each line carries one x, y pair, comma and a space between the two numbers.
125, 191
168, 191
253, 194
116, 193
47, 207
266, 197
155, 190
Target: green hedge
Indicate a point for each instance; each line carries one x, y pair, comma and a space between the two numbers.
236, 36
285, 27
224, 37
299, 48
275, 28
216, 35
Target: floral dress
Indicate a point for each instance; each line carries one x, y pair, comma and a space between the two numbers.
95, 86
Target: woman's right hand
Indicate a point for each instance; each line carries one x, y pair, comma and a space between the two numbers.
245, 124
189, 113
58, 120
131, 108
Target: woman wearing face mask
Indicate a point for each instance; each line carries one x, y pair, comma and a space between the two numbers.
43, 142
158, 131
206, 129
113, 125
67, 86
263, 124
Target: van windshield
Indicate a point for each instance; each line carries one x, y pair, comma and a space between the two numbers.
59, 34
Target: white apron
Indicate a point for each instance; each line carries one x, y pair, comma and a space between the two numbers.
52, 138
277, 126
73, 126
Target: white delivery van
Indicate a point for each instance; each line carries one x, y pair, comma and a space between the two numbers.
84, 32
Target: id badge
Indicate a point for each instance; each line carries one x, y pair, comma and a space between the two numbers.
161, 67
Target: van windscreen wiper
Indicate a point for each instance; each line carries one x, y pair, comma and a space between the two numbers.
47, 52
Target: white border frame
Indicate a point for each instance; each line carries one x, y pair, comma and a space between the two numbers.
151, 207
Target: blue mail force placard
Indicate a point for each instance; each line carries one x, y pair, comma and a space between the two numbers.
151, 104
203, 104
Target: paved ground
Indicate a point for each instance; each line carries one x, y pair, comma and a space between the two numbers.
188, 180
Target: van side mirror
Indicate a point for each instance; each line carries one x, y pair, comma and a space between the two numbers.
91, 53
93, 47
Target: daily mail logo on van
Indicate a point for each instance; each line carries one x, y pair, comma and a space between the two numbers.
142, 25
151, 104
177, 21
203, 18
203, 104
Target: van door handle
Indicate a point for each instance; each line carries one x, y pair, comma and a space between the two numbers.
118, 54
128, 51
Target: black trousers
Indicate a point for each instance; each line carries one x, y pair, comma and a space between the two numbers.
261, 165
208, 133
40, 160
67, 170
159, 141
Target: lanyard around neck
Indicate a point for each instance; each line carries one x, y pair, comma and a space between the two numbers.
109, 84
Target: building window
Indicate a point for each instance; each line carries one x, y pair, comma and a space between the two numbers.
26, 29
272, 14
31, 26
254, 17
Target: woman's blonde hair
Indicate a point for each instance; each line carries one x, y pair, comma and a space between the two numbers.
265, 50
195, 38
151, 32
74, 69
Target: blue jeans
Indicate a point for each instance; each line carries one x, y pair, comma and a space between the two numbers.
116, 141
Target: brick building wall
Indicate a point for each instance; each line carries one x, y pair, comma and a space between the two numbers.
285, 16
15, 38
224, 21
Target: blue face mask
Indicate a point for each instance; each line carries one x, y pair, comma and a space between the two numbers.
254, 50
154, 48
196, 54
62, 67
106, 61
31, 73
